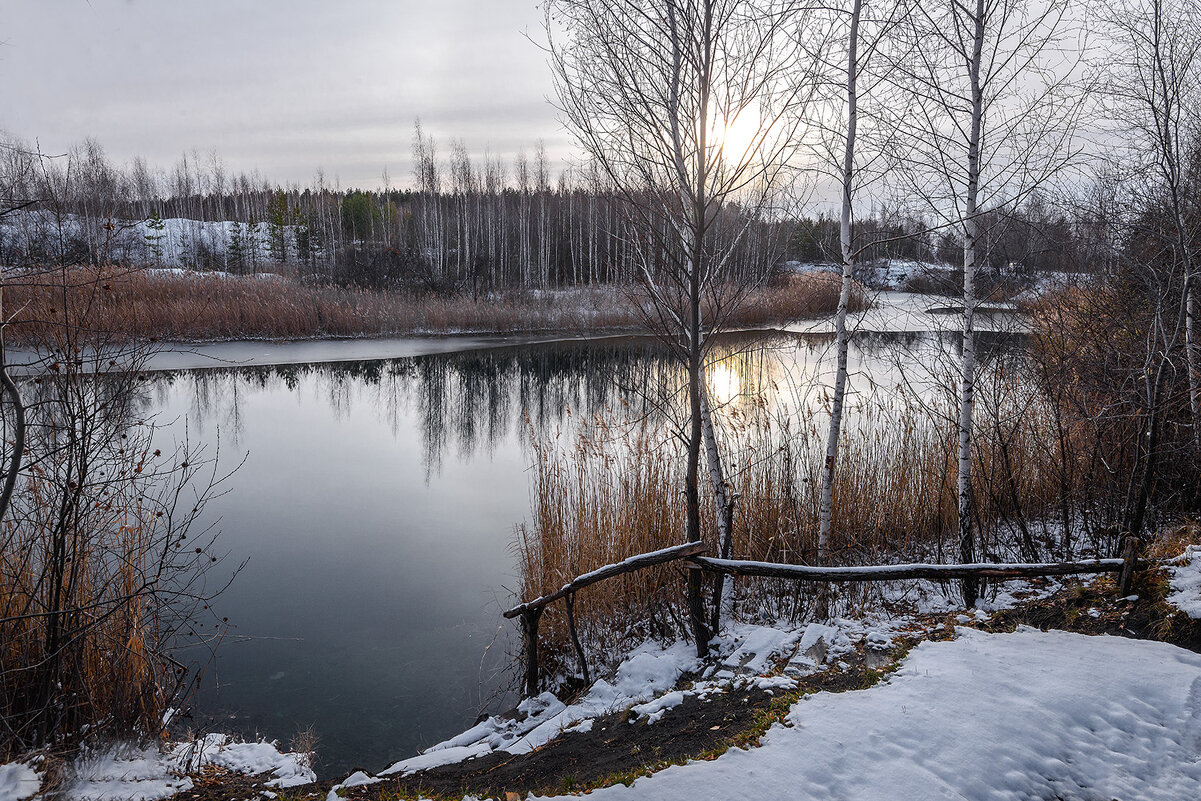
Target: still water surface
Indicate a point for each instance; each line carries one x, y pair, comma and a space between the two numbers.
375, 512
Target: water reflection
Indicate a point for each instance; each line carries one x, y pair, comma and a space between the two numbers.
377, 506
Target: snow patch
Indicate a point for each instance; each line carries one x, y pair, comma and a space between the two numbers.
648, 672
18, 781
653, 710
356, 779
1185, 581
987, 716
757, 647
146, 774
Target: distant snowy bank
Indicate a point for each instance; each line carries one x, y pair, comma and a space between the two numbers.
908, 275
175, 241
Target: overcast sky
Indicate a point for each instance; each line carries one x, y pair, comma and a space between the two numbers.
281, 86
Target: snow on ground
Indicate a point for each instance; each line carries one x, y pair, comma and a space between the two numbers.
895, 273
180, 272
356, 779
908, 312
649, 671
1030, 715
146, 774
929, 597
744, 653
1185, 571
18, 781
887, 273
644, 683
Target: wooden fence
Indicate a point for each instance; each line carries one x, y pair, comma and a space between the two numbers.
531, 611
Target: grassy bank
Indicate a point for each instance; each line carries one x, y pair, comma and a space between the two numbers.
176, 305
612, 489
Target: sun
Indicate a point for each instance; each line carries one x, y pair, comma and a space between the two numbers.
740, 136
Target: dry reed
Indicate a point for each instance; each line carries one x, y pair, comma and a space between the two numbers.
101, 569
186, 306
616, 490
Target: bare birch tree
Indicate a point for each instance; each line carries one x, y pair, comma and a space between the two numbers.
989, 118
652, 90
855, 170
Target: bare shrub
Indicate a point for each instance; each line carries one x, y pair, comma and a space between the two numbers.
103, 564
611, 490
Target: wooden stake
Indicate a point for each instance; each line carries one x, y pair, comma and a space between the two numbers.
529, 625
575, 640
1129, 562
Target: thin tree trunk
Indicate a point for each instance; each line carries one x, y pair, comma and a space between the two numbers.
723, 593
967, 380
825, 510
18, 443
692, 498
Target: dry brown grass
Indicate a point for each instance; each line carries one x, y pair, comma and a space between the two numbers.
796, 297
616, 491
102, 574
105, 668
142, 305
1172, 541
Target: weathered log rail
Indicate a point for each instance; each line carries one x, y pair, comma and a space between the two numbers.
531, 611
738, 567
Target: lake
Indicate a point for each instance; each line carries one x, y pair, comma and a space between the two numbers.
375, 507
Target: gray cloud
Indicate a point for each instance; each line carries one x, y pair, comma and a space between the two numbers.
281, 87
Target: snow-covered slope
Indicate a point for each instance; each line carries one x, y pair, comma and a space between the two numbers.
146, 774
1030, 715
173, 241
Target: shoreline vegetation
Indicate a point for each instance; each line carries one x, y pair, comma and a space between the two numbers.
701, 716
1056, 448
138, 304
994, 148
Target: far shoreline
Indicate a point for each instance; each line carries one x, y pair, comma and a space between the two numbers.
887, 312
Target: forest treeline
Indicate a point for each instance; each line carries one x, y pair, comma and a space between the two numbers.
468, 224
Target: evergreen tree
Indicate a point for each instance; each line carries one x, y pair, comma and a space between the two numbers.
154, 237
252, 242
237, 248
277, 226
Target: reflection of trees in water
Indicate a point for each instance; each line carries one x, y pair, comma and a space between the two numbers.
467, 402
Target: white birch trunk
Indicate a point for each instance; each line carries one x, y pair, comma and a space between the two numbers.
971, 247
844, 295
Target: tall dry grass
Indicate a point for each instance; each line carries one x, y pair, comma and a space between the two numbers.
142, 305
615, 489
105, 670
102, 563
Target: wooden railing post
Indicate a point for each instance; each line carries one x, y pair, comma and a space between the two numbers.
529, 626
575, 640
1129, 562
531, 611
